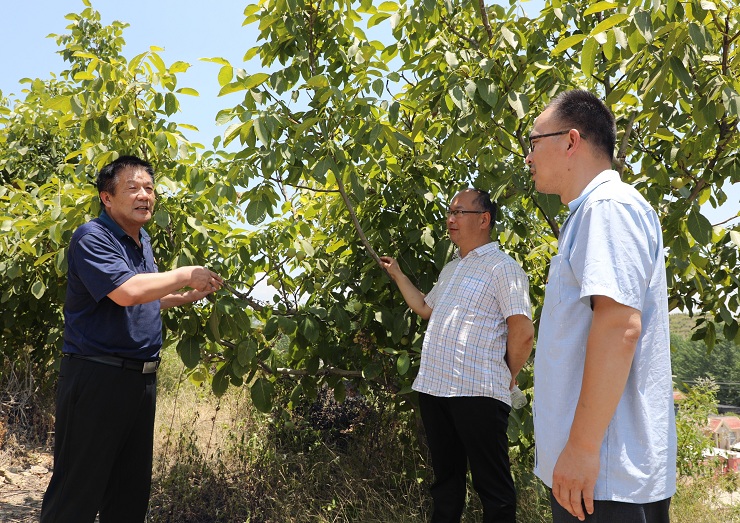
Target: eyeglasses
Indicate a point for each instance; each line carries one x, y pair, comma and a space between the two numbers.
457, 212
546, 135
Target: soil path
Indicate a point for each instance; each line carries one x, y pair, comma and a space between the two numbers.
23, 480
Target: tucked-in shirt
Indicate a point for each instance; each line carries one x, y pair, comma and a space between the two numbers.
610, 245
465, 342
101, 258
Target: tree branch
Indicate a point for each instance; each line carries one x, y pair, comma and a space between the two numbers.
305, 187
470, 40
622, 153
726, 221
484, 18
254, 304
284, 371
355, 221
550, 221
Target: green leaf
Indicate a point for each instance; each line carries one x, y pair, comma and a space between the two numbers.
520, 103
599, 7
189, 350
213, 325
170, 104
262, 391
699, 227
225, 75
680, 72
588, 57
731, 101
255, 79
188, 91
179, 67
286, 325
220, 381
487, 91
735, 237
372, 370
376, 19
271, 328
37, 289
340, 392
568, 42
388, 7
403, 363
310, 328
609, 23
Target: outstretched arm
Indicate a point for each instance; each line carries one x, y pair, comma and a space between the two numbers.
413, 296
147, 287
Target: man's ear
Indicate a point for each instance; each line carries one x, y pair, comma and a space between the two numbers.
105, 198
486, 219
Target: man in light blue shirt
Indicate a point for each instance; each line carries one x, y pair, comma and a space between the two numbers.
604, 422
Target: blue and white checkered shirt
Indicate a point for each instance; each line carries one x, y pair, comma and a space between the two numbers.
465, 343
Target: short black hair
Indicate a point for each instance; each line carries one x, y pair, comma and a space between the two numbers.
582, 110
484, 203
108, 175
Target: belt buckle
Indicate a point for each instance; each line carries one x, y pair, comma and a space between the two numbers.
150, 367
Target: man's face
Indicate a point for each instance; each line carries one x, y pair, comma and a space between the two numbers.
465, 227
132, 204
546, 153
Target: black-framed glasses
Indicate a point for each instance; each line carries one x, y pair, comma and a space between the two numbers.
546, 135
457, 212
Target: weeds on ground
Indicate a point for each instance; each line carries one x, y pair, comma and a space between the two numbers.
218, 460
221, 461
707, 499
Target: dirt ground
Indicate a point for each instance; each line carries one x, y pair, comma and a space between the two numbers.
24, 475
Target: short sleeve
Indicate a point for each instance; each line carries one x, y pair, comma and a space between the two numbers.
512, 290
612, 255
99, 264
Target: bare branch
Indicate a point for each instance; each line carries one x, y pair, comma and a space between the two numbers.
470, 40
484, 18
622, 153
254, 304
326, 371
305, 187
732, 218
355, 221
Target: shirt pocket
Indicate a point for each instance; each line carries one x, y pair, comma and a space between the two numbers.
553, 287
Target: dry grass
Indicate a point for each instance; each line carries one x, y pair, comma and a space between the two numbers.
218, 460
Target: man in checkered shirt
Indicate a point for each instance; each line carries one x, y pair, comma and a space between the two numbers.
479, 337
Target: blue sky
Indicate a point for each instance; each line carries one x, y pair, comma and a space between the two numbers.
187, 30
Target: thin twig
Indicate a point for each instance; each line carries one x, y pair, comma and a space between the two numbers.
355, 221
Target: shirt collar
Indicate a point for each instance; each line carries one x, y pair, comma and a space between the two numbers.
609, 175
116, 229
478, 251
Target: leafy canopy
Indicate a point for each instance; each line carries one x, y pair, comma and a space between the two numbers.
358, 126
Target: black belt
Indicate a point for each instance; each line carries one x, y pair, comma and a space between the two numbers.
145, 367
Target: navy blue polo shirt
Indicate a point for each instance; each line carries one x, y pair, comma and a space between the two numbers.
101, 257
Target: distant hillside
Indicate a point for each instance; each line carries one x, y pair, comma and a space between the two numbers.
682, 325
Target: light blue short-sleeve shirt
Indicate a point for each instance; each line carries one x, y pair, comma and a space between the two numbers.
465, 342
610, 245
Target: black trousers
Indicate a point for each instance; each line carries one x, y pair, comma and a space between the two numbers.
104, 435
462, 430
616, 512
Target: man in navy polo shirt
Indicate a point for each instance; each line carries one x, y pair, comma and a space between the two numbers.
106, 393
